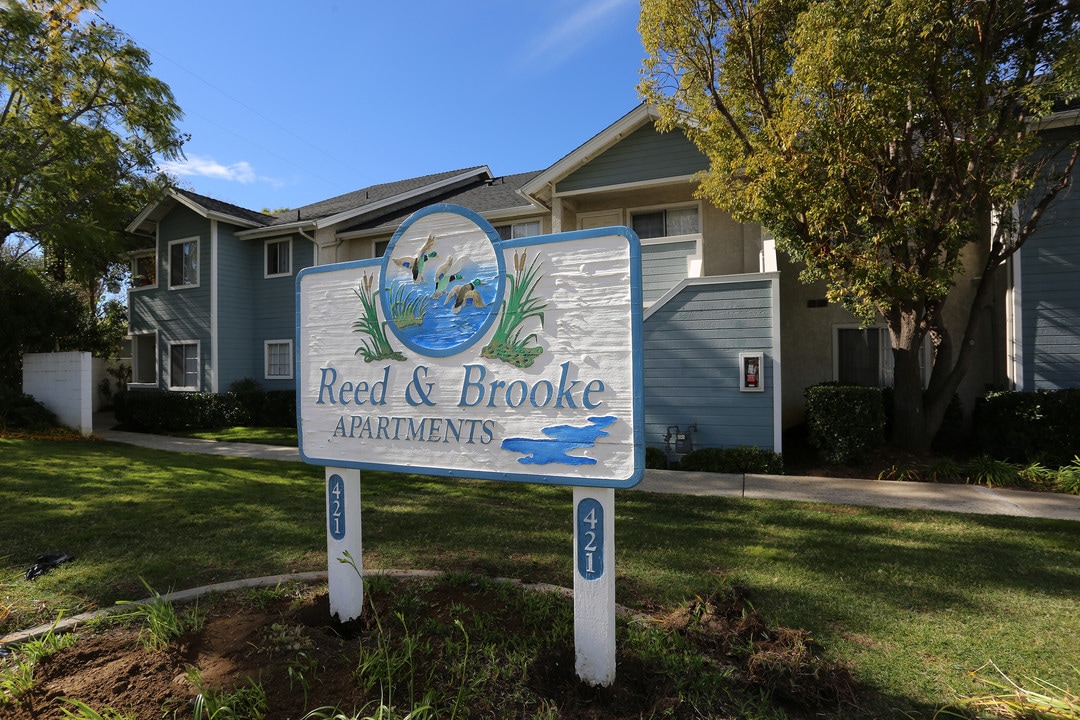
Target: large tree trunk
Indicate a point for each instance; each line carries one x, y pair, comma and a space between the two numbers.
910, 430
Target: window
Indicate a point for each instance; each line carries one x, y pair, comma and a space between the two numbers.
380, 247
278, 258
518, 230
863, 357
144, 270
279, 359
184, 366
144, 359
665, 223
184, 263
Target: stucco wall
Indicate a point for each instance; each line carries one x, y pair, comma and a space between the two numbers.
63, 383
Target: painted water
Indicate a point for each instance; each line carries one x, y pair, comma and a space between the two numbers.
560, 440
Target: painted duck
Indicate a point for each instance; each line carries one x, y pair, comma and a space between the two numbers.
463, 293
415, 265
446, 274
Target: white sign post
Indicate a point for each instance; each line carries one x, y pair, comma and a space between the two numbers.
464, 355
343, 543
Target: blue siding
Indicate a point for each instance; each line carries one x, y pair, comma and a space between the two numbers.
663, 266
274, 315
182, 314
642, 155
692, 347
238, 263
1050, 265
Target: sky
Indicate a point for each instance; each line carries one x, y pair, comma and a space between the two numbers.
289, 103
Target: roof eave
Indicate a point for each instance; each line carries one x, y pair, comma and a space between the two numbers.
354, 213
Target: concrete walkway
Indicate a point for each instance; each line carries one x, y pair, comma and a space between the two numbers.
841, 491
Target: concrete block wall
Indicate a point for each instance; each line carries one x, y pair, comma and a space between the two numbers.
64, 383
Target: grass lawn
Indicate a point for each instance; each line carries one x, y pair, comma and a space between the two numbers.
910, 600
259, 435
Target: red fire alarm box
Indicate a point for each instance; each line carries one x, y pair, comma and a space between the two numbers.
752, 372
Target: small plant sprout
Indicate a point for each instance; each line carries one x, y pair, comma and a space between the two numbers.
17, 671
161, 624
85, 712
247, 702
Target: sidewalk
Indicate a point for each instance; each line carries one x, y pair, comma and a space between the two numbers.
841, 491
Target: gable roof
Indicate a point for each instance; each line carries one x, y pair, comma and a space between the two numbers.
539, 188
494, 198
204, 205
372, 201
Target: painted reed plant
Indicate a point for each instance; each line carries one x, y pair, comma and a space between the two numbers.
520, 305
378, 348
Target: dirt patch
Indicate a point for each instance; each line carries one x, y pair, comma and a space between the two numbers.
433, 634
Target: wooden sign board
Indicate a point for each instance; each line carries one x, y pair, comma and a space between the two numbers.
461, 354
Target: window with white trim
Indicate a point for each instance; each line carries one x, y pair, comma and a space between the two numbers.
184, 263
278, 359
863, 356
665, 222
144, 270
144, 358
278, 258
518, 230
380, 247
184, 366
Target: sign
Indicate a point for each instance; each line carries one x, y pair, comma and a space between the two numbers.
461, 354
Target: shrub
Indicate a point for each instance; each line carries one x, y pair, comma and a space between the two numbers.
742, 459
944, 470
168, 411
1068, 477
655, 458
21, 411
988, 471
902, 472
1024, 426
846, 423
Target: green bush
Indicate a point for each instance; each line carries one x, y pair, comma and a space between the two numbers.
988, 471
655, 458
742, 459
846, 423
155, 411
1028, 426
1067, 479
19, 411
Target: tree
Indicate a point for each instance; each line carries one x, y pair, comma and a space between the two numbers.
82, 125
875, 139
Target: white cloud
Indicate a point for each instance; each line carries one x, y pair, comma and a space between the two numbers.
576, 30
199, 166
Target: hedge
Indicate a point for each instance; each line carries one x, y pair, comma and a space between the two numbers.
1041, 426
741, 459
171, 411
846, 423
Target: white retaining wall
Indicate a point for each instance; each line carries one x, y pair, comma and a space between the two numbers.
64, 383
